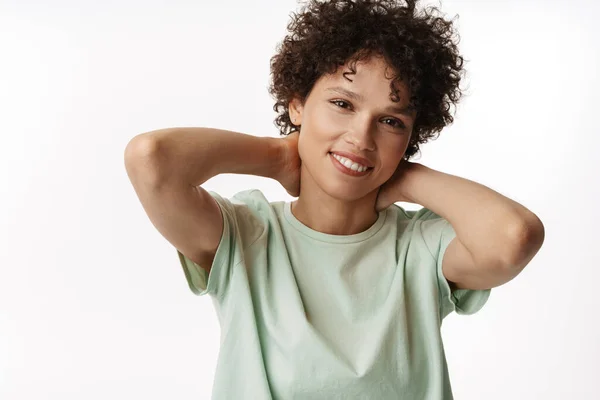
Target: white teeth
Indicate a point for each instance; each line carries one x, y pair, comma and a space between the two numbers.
350, 164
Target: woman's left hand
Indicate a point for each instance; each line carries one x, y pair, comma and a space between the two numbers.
395, 189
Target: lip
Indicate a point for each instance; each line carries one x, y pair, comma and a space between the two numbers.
342, 168
354, 157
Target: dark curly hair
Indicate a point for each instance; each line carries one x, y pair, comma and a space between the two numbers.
325, 35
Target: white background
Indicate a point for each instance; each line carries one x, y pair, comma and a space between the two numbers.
93, 301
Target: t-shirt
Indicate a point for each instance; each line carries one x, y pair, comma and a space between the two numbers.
309, 315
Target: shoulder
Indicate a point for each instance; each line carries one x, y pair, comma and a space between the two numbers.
412, 217
245, 212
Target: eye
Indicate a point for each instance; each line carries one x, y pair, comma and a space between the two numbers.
396, 123
338, 102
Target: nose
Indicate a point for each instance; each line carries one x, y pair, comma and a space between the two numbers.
360, 134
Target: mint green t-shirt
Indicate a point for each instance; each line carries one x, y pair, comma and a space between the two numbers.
309, 315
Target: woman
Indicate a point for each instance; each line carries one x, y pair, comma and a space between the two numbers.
341, 293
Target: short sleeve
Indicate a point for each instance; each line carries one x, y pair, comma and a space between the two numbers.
240, 228
437, 233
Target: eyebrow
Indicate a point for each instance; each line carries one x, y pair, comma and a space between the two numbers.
358, 97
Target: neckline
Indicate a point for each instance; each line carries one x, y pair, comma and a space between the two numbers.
329, 238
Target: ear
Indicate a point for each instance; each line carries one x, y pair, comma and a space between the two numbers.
295, 110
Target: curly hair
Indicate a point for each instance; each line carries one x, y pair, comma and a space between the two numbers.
419, 46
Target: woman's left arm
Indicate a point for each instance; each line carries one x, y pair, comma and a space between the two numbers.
497, 237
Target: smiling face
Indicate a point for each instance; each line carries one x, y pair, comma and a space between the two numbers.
352, 116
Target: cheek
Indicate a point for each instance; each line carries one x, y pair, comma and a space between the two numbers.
390, 161
306, 147
312, 142
324, 123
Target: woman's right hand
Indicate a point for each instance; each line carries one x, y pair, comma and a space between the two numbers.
288, 175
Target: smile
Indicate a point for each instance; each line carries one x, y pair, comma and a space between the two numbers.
348, 167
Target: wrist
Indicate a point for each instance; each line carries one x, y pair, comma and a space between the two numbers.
413, 177
278, 157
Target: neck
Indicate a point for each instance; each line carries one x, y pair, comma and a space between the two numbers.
326, 214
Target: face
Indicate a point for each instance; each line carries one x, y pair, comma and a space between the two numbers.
355, 117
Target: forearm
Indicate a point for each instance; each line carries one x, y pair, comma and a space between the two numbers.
194, 155
489, 225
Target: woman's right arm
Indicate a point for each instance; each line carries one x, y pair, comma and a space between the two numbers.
167, 166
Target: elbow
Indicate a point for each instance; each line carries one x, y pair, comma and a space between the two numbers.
141, 158
140, 146
528, 239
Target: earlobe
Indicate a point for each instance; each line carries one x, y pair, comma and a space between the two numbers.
295, 111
